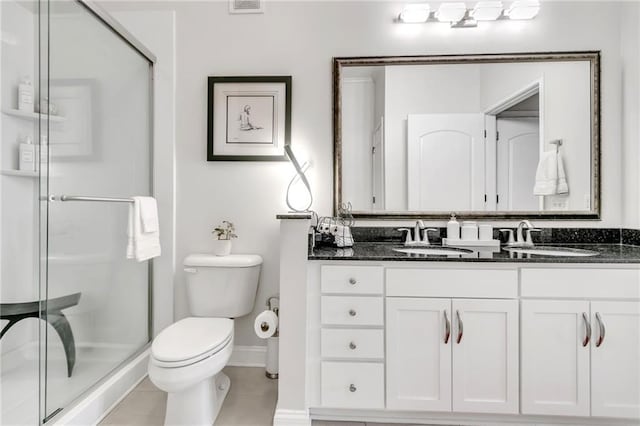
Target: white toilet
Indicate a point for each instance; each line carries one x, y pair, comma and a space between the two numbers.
187, 357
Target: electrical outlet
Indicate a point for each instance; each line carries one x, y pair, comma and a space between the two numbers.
560, 204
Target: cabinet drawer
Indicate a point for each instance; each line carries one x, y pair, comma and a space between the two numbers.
580, 283
352, 385
344, 310
465, 283
351, 343
351, 279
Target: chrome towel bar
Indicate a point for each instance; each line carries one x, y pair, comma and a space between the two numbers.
98, 199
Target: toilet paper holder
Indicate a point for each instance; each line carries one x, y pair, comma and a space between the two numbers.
273, 304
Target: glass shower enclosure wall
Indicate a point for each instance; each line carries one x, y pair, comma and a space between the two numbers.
73, 307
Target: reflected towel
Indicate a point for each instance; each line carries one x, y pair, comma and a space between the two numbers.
143, 230
550, 175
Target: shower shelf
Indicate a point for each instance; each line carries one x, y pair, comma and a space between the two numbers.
19, 173
32, 115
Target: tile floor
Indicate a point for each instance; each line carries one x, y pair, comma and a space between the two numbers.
146, 404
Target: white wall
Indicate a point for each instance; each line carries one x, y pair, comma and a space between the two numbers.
300, 39
630, 41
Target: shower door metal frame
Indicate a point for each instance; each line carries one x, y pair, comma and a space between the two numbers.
119, 30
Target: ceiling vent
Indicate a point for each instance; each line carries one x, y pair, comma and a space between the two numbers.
246, 6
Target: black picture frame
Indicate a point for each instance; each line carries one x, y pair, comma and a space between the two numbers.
280, 129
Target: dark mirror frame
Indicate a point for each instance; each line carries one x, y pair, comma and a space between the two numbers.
593, 57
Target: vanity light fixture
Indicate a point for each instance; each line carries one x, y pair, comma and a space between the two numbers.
451, 12
415, 13
457, 14
523, 9
300, 169
487, 11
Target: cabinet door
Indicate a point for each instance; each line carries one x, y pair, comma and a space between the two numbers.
418, 354
615, 359
554, 357
485, 356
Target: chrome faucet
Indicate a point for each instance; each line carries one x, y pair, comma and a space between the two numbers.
523, 235
520, 238
417, 231
420, 235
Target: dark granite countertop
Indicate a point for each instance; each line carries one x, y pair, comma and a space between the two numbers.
608, 253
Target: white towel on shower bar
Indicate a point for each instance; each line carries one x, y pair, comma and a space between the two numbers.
143, 241
550, 175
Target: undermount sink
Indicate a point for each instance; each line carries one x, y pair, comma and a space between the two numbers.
552, 251
433, 250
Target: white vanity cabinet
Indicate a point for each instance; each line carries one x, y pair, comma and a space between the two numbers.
351, 337
474, 344
581, 357
446, 353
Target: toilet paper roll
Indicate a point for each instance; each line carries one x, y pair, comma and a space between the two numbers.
266, 324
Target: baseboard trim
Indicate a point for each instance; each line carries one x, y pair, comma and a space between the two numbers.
291, 418
248, 356
101, 400
431, 418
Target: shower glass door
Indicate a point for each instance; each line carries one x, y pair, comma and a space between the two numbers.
98, 97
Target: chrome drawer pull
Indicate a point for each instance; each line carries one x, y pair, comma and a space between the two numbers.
602, 330
352, 281
352, 388
587, 326
352, 313
352, 346
460, 327
447, 328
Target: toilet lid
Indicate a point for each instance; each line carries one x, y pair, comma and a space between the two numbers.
192, 338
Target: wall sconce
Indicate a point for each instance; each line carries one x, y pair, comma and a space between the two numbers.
459, 16
300, 169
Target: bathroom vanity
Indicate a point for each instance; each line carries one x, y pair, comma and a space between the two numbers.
397, 338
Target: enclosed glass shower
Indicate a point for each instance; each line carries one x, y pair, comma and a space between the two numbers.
75, 145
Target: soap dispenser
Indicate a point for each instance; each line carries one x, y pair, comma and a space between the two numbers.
453, 228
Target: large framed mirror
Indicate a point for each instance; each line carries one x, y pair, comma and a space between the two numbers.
492, 135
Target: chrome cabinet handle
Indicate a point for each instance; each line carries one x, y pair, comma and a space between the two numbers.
352, 313
352, 388
352, 346
602, 329
460, 327
587, 326
447, 327
352, 281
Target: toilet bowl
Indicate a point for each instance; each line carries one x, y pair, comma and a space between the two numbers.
186, 362
187, 357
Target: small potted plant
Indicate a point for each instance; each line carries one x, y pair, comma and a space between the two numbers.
224, 232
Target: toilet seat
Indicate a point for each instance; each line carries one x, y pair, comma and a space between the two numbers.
191, 340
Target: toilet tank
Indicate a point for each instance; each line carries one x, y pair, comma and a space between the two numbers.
222, 286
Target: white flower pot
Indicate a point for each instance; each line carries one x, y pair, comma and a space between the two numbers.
221, 247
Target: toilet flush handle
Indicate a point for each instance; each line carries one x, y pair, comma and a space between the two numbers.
191, 270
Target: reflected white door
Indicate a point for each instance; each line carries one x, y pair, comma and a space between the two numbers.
377, 166
445, 164
518, 151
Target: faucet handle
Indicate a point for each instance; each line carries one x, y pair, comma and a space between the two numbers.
407, 238
510, 240
426, 234
528, 239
